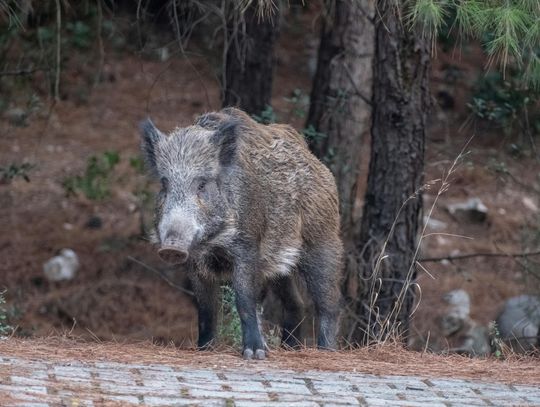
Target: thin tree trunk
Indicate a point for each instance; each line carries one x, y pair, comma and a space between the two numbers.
393, 197
250, 59
340, 108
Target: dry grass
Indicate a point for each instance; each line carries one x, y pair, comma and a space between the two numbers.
380, 360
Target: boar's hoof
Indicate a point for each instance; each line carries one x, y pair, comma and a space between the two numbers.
260, 354
248, 354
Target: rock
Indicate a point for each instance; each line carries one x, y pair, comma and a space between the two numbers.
460, 300
434, 224
441, 240
163, 54
472, 210
529, 204
464, 335
445, 99
458, 310
62, 267
519, 322
94, 222
16, 116
473, 340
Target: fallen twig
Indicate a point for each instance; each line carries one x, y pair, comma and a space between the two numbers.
27, 71
163, 276
471, 255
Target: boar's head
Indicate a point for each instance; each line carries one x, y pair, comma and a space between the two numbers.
193, 165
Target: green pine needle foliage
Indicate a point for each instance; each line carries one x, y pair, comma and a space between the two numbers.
509, 30
431, 13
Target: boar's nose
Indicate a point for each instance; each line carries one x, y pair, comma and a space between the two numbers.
172, 255
173, 250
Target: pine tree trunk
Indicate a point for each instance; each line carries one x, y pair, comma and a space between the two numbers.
340, 102
400, 105
250, 59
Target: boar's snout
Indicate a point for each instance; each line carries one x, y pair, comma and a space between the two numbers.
174, 249
173, 255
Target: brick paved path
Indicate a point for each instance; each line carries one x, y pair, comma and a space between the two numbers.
25, 382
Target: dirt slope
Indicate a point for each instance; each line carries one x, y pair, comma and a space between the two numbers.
116, 298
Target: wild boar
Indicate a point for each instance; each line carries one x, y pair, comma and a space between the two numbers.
249, 204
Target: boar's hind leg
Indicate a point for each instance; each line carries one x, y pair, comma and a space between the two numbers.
247, 289
321, 267
287, 291
206, 295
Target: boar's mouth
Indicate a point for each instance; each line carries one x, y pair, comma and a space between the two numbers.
172, 254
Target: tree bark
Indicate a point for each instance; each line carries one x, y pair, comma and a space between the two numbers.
340, 108
250, 59
393, 199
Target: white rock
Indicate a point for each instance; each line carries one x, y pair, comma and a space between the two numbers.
529, 204
62, 267
474, 340
459, 308
459, 303
163, 54
441, 241
434, 224
472, 209
16, 115
519, 322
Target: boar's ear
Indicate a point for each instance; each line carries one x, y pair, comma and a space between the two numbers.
225, 138
150, 136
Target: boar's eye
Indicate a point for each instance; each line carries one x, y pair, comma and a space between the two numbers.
164, 183
202, 185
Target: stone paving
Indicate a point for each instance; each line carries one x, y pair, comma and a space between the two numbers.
33, 383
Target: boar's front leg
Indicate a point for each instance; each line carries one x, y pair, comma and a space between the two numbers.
206, 290
247, 289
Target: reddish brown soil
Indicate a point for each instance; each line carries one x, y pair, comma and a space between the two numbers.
114, 297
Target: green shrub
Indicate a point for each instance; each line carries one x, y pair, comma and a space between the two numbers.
80, 34
229, 326
300, 102
12, 171
137, 163
311, 134
5, 328
95, 182
497, 344
502, 101
267, 116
